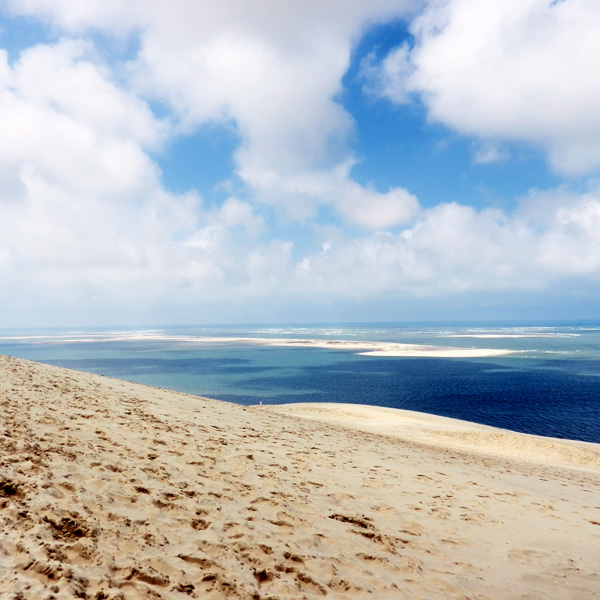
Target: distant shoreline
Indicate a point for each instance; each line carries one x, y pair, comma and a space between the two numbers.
365, 348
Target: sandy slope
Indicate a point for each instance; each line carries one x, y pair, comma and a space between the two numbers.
114, 490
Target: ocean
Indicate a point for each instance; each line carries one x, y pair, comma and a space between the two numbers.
549, 386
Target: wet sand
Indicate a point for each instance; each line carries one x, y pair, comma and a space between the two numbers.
111, 490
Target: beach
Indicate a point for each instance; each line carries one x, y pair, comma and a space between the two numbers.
115, 490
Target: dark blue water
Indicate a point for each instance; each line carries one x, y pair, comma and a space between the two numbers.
551, 388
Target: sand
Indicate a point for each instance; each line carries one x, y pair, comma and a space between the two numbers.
110, 490
365, 348
492, 336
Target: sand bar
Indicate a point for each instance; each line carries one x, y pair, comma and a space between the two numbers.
493, 336
366, 348
113, 490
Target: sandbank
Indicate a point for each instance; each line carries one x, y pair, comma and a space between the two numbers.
493, 336
114, 490
366, 348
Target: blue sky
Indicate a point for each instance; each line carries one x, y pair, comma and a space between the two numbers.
221, 162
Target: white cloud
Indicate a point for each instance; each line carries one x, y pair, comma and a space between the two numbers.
570, 226
487, 153
81, 202
273, 72
71, 78
552, 238
359, 205
51, 129
450, 249
390, 77
507, 69
373, 210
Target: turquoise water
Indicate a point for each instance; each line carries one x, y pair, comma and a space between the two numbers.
551, 386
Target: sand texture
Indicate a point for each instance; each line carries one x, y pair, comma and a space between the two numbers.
114, 490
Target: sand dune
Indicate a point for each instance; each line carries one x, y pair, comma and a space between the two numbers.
114, 490
447, 433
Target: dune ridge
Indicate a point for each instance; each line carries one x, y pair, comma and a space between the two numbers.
113, 490
446, 432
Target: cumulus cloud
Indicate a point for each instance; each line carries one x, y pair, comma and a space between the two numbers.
569, 224
452, 248
359, 205
63, 119
77, 183
81, 201
273, 73
506, 70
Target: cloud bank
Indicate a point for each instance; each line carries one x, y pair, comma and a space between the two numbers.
85, 218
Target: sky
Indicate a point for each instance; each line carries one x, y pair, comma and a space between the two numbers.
298, 161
